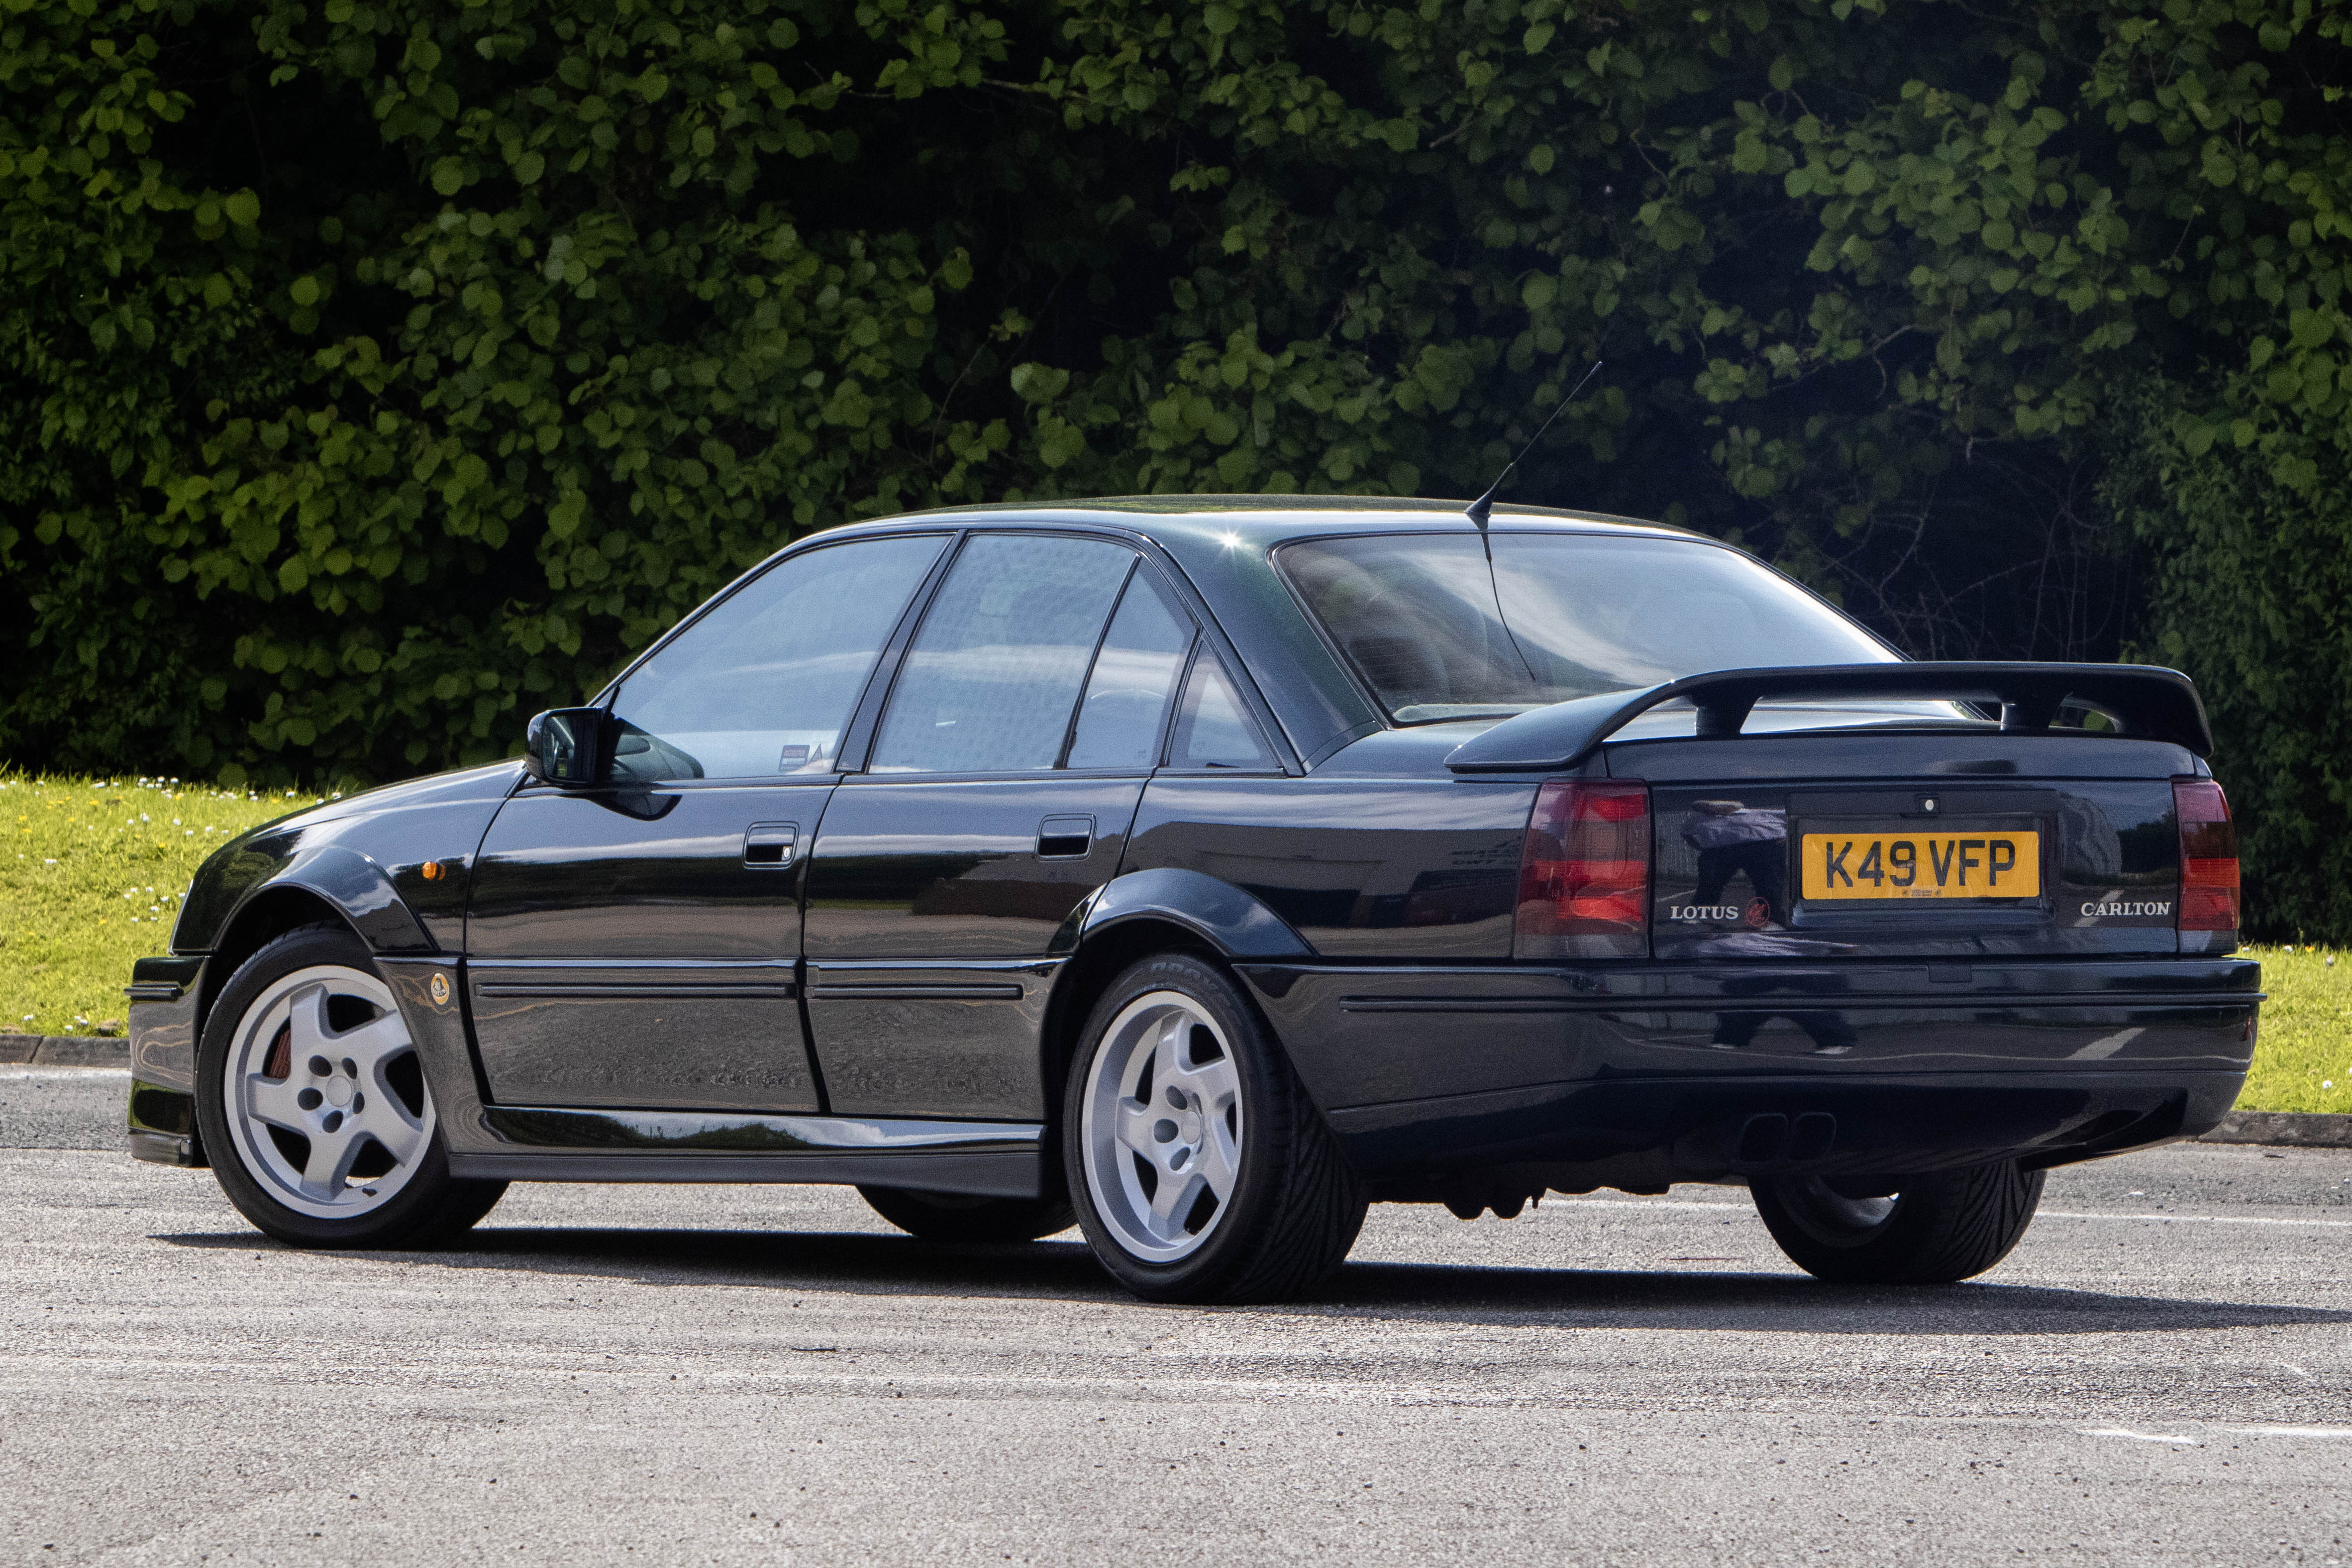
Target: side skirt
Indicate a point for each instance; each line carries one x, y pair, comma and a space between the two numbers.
982, 1159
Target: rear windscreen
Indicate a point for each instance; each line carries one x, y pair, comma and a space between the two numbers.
1437, 634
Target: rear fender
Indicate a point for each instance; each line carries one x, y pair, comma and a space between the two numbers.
1232, 921
1142, 913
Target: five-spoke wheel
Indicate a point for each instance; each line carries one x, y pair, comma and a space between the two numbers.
1199, 1169
331, 1112
314, 1105
1162, 1127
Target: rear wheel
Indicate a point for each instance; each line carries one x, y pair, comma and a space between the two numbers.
949, 1216
1200, 1169
313, 1100
1936, 1228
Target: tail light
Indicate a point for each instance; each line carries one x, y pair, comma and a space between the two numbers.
2208, 857
1584, 880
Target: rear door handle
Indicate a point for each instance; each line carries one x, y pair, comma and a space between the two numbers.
767, 845
1066, 837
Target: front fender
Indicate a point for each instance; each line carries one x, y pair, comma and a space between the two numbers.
169, 995
351, 881
362, 892
1231, 919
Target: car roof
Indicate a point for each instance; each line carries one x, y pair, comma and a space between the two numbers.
1224, 544
1267, 520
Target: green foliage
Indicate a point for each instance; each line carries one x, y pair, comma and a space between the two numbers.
384, 371
2251, 589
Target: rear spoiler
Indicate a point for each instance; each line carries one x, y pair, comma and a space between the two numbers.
2145, 702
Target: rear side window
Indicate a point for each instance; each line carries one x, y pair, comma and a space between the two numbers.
764, 683
993, 677
1437, 633
1135, 675
1213, 728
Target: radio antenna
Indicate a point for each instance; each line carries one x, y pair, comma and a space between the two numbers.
1478, 511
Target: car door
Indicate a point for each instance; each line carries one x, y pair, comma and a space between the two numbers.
636, 944
1005, 770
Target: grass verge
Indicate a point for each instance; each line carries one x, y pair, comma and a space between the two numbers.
95, 877
2302, 1051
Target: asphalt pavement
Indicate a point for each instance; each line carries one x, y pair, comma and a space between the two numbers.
2161, 1372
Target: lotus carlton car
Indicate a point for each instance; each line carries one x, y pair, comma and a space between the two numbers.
1200, 872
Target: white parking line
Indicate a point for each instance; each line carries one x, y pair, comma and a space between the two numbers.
2045, 1214
55, 1075
2186, 1441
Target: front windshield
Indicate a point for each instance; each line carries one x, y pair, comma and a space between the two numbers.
1561, 615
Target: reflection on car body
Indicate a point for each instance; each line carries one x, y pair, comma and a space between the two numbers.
1205, 869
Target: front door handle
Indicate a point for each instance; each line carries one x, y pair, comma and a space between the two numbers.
767, 845
1066, 837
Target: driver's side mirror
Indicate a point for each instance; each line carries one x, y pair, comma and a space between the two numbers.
566, 747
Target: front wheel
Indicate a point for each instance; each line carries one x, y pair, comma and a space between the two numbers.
313, 1103
1199, 1168
1935, 1228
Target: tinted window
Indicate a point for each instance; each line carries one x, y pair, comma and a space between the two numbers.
1134, 675
1438, 635
1212, 730
764, 683
994, 675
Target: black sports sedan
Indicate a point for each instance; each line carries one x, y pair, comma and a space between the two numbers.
1202, 871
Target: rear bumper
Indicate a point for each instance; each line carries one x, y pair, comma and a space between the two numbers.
1668, 1073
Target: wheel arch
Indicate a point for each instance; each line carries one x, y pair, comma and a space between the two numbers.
333, 885
271, 912
1162, 910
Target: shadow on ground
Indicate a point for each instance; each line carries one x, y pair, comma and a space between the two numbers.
860, 1263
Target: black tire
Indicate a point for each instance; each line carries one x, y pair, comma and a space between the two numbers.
952, 1217
1939, 1227
428, 1207
1295, 1202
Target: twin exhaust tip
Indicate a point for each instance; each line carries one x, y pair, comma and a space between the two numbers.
1772, 1140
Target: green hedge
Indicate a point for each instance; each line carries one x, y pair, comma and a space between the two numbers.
378, 372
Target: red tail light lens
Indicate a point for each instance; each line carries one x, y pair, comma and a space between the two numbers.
2208, 857
1584, 881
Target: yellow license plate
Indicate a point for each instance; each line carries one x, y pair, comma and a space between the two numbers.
1922, 866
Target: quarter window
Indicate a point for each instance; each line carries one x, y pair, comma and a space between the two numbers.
764, 683
1212, 730
991, 680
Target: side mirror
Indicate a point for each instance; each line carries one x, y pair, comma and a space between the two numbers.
566, 747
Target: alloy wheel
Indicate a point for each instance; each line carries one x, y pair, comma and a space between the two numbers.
1162, 1127
325, 1094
